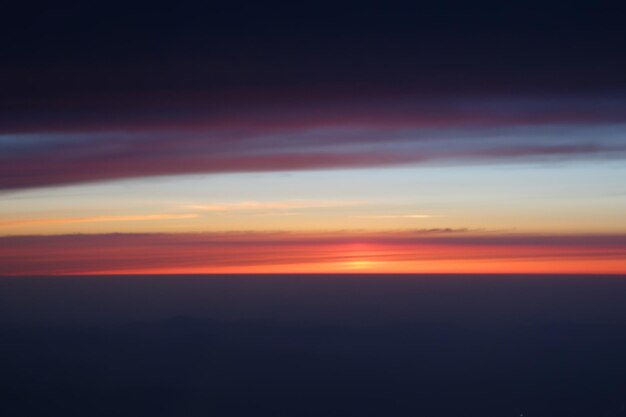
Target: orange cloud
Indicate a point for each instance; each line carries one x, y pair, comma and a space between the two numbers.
425, 251
398, 216
94, 219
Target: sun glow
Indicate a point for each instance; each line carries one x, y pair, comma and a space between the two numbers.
359, 264
338, 252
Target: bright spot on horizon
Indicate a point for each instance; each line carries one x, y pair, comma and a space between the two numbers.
359, 264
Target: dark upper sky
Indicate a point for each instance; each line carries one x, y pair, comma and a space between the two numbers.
83, 48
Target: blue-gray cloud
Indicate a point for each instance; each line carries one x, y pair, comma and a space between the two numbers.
148, 142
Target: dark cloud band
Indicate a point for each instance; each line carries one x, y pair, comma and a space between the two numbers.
189, 138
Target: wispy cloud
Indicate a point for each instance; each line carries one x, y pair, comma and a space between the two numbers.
397, 216
270, 206
94, 219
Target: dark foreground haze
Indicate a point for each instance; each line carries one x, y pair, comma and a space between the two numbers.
313, 345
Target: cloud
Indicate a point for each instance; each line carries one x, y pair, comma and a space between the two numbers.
436, 249
307, 137
270, 206
265, 111
398, 216
94, 219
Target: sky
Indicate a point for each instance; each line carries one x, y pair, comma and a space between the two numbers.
269, 138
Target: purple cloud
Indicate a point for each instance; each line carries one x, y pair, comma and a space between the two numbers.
104, 142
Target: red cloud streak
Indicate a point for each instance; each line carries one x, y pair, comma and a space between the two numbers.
420, 251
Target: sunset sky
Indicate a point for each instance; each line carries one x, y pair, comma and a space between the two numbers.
181, 145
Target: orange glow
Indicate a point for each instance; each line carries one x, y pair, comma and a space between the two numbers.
94, 219
433, 267
340, 252
360, 265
